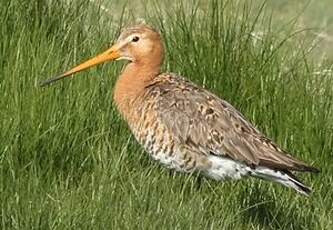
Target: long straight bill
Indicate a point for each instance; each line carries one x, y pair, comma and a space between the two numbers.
109, 55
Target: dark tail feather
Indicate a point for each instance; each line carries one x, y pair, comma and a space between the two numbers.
285, 178
311, 169
302, 188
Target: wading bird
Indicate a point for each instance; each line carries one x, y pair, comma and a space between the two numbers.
184, 126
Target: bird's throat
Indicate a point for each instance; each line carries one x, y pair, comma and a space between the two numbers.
130, 87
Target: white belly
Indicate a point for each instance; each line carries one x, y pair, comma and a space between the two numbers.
220, 168
171, 162
224, 168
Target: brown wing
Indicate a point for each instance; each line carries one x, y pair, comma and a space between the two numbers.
202, 121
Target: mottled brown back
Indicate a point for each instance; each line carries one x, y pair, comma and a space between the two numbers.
203, 122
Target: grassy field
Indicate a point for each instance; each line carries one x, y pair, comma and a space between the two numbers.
68, 161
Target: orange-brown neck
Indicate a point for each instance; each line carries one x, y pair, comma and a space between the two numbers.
131, 85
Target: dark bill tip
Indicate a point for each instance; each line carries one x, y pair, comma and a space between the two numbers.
51, 80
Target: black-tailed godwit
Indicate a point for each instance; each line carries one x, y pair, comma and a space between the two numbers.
184, 126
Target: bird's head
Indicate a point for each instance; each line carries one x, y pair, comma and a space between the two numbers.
138, 44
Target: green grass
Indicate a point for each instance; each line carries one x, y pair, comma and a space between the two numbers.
68, 161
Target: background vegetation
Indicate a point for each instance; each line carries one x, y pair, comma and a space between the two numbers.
68, 161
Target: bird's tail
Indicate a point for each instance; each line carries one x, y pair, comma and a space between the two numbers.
285, 178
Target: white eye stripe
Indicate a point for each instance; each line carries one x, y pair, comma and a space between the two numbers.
122, 44
134, 38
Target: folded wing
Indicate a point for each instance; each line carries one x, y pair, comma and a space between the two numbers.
205, 123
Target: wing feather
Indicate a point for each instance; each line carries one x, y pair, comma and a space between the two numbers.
207, 124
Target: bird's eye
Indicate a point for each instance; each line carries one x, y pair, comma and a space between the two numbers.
135, 39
